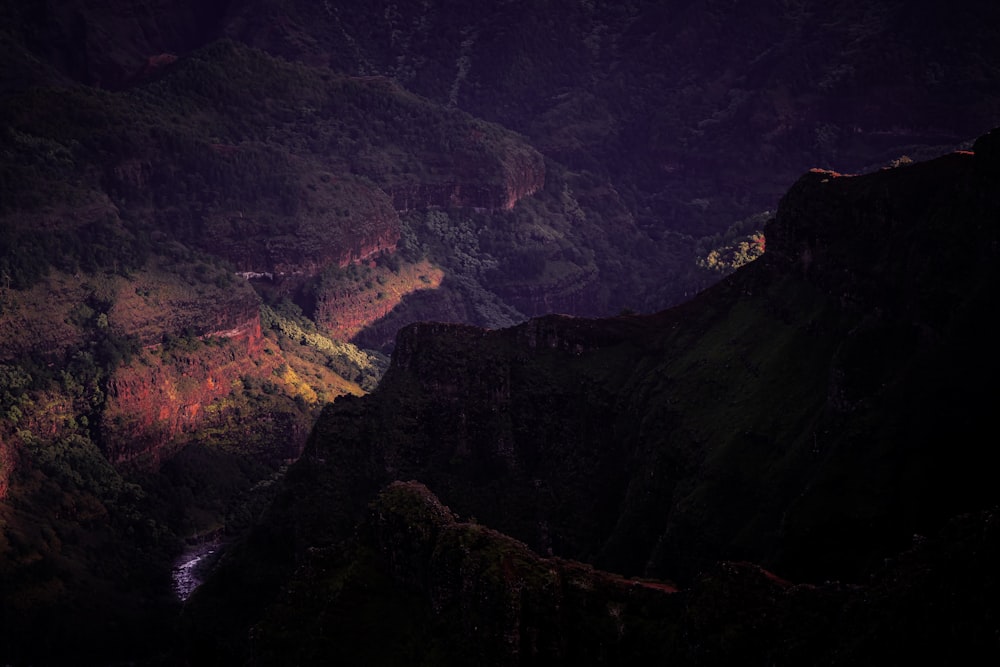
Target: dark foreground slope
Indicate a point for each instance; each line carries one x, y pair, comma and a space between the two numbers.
820, 414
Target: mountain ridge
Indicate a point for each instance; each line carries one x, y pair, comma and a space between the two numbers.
790, 416
199, 201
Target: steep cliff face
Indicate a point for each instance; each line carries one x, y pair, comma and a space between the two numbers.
810, 417
896, 278
167, 391
574, 291
649, 445
153, 304
237, 389
753, 96
523, 174
692, 147
111, 458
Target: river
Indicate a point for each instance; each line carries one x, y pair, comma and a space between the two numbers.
192, 565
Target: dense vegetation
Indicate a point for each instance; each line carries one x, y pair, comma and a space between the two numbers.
814, 413
202, 201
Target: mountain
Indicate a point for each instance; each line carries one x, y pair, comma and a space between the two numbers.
664, 126
788, 467
215, 217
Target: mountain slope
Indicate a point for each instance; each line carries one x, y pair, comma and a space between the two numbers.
812, 414
197, 199
664, 124
672, 102
422, 587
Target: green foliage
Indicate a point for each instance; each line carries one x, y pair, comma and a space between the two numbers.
240, 153
364, 367
103, 244
75, 535
77, 465
454, 241
741, 244
292, 168
411, 247
14, 385
729, 258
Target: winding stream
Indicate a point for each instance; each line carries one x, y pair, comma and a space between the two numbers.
190, 567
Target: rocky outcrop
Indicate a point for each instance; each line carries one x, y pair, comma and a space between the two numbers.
801, 421
884, 216
523, 173
345, 313
512, 605
499, 602
489, 197
153, 305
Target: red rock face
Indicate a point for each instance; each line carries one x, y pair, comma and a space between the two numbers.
247, 333
156, 63
347, 310
164, 393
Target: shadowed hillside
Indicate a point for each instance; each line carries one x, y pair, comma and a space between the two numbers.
815, 414
217, 218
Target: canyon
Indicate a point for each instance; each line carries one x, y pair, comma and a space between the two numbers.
537, 333
776, 468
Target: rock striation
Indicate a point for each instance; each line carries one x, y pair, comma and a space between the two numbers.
167, 391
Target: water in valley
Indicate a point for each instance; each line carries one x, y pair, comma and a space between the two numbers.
193, 564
